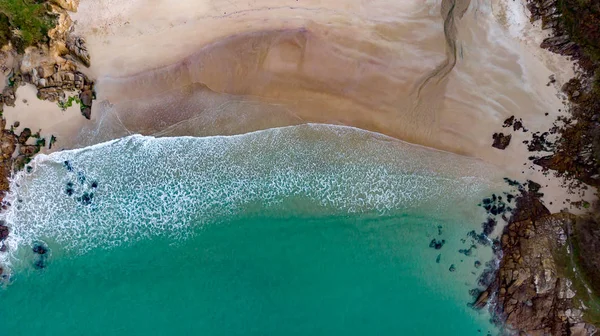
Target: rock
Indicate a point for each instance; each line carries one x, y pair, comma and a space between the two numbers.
3, 248
24, 136
482, 300
86, 112
16, 124
29, 150
437, 244
452, 268
501, 141
509, 121
39, 248
3, 232
477, 264
70, 5
68, 165
76, 45
86, 98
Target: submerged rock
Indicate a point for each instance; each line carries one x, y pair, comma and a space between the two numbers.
437, 244
39, 248
4, 232
68, 165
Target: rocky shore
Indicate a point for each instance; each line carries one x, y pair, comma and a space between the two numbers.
535, 290
53, 68
548, 278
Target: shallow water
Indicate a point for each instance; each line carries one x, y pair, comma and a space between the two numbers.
310, 229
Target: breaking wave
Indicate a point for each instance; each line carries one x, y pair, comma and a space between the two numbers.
139, 187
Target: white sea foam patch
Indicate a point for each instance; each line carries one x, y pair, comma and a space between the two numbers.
139, 187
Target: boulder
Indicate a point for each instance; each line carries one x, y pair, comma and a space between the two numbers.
3, 232
86, 98
86, 112
24, 136
501, 141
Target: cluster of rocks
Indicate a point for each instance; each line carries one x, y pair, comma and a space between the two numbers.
501, 140
82, 189
15, 152
42, 252
516, 124
531, 294
53, 69
53, 82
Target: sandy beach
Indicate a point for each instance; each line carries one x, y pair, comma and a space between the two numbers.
229, 67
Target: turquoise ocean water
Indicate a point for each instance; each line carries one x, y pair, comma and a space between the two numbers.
305, 230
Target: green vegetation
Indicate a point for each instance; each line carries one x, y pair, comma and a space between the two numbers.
568, 268
69, 102
582, 266
24, 22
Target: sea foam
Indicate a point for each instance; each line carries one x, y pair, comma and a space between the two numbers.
141, 187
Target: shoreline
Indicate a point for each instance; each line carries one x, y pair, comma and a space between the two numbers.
287, 79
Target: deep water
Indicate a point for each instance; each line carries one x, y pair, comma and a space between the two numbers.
307, 230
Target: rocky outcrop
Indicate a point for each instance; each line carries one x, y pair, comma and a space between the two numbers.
70, 5
76, 45
531, 293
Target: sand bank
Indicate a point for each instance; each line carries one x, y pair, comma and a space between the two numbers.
227, 67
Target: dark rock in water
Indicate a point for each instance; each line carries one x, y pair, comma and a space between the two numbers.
486, 278
40, 249
81, 177
94, 185
482, 300
86, 198
40, 264
29, 169
509, 122
474, 292
478, 238
69, 191
452, 268
3, 248
477, 264
488, 226
439, 257
487, 201
467, 252
437, 244
439, 230
3, 232
501, 141
67, 165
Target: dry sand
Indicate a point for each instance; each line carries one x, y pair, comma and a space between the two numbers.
228, 66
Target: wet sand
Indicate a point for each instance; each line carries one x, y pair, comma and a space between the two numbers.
228, 67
